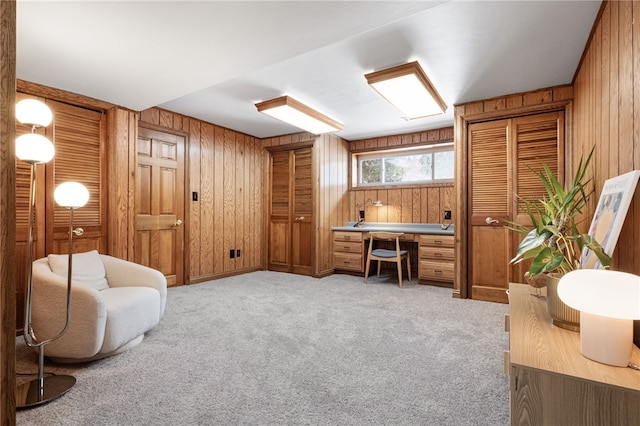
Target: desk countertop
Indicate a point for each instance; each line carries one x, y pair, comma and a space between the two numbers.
408, 228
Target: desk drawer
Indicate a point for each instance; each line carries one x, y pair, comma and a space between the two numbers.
347, 261
347, 247
347, 236
436, 240
435, 270
436, 253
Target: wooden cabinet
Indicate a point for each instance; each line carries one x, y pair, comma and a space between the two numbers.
348, 251
436, 258
551, 383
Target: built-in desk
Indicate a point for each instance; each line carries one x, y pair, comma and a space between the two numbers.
430, 245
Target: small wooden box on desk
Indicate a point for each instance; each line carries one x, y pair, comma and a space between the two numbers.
551, 383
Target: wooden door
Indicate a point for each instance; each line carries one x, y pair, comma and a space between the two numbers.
301, 232
539, 139
79, 136
291, 216
503, 156
489, 189
280, 215
159, 241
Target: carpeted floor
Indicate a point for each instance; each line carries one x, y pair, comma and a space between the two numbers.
267, 348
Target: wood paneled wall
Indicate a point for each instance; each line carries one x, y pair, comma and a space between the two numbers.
225, 168
7, 212
607, 113
417, 204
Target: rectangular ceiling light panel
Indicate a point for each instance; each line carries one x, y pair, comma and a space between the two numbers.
287, 109
408, 88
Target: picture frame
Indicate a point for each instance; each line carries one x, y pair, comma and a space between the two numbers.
609, 216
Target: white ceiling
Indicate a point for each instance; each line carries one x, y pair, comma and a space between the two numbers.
214, 60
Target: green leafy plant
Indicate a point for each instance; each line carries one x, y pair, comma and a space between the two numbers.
553, 241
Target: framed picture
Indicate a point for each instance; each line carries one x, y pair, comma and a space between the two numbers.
609, 217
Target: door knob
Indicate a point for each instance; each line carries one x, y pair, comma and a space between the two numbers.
490, 221
178, 222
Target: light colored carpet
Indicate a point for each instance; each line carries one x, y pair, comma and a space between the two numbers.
268, 348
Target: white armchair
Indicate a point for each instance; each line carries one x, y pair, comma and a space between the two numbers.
113, 303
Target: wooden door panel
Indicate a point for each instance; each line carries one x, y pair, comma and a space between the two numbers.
488, 267
538, 141
279, 248
301, 233
167, 199
160, 203
302, 251
143, 189
489, 207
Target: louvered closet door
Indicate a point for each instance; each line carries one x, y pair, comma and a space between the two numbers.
302, 241
539, 139
279, 229
488, 208
503, 155
77, 134
291, 218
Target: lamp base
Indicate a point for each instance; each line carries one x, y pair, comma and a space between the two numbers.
28, 394
606, 340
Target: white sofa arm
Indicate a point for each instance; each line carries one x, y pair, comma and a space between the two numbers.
122, 273
85, 335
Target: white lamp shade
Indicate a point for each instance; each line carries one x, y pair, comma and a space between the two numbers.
611, 294
33, 113
34, 148
608, 301
71, 195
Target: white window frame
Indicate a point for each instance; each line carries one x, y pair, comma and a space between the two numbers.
400, 152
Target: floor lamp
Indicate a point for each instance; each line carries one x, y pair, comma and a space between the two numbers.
35, 149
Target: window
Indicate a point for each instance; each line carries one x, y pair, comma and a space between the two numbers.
432, 164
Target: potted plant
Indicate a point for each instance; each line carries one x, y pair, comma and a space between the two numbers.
553, 242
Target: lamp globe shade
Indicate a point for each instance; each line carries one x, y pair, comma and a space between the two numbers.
71, 195
34, 148
33, 113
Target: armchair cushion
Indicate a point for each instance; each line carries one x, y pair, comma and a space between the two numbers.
88, 268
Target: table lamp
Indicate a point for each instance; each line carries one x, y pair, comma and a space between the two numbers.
608, 302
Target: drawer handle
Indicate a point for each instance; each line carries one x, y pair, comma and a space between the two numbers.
437, 242
347, 238
346, 248
437, 271
437, 254
347, 263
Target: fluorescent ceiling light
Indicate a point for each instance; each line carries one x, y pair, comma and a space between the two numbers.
287, 109
408, 88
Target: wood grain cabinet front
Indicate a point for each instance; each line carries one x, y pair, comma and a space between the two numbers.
348, 254
436, 258
551, 383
